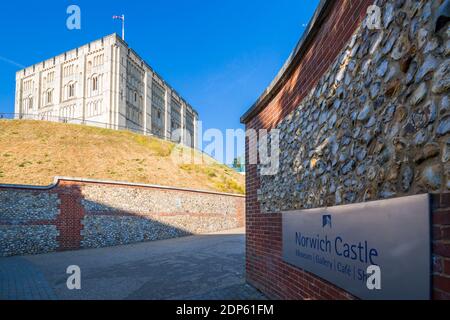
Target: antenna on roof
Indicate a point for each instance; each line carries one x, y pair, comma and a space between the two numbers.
122, 17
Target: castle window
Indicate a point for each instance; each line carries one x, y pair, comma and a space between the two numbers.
49, 97
50, 77
95, 83
71, 90
29, 103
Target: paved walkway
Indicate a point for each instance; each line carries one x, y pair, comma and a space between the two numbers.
199, 267
20, 279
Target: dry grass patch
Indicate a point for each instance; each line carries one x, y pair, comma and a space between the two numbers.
33, 152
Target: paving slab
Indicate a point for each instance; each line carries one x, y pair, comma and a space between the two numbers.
200, 267
22, 280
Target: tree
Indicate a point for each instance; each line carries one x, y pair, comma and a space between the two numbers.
237, 163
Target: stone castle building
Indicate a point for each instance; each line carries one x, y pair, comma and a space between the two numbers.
105, 83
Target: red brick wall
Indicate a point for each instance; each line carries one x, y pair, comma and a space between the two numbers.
441, 246
334, 33
264, 265
71, 214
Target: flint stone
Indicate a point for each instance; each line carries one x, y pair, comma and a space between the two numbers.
429, 65
441, 79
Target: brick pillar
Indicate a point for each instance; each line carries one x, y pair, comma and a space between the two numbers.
69, 219
240, 211
441, 246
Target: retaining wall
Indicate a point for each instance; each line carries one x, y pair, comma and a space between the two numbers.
78, 213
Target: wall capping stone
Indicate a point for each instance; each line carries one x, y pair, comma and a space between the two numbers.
57, 180
76, 213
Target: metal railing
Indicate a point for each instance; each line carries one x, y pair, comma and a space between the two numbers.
133, 127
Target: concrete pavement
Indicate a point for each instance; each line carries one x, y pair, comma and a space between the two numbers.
21, 280
200, 267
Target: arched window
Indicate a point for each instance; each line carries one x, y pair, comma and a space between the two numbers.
135, 96
94, 83
71, 90
49, 97
28, 104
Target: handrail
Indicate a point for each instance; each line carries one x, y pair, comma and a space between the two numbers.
24, 116
58, 179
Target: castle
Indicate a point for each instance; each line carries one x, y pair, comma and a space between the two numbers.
105, 83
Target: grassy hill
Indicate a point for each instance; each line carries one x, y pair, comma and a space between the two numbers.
33, 152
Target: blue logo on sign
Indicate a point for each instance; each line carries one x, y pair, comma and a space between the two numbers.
326, 221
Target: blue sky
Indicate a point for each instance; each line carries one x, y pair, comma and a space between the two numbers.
219, 55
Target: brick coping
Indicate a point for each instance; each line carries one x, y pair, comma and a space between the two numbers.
58, 179
290, 62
